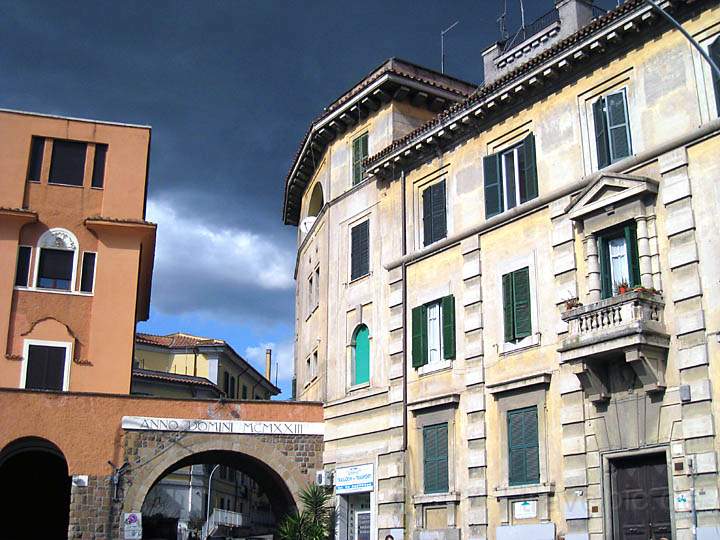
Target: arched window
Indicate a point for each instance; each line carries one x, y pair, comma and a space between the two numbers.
361, 355
57, 260
316, 201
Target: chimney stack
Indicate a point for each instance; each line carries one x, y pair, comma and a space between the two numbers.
268, 363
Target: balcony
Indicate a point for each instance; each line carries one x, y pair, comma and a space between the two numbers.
628, 327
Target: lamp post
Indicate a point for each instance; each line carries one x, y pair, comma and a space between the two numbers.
207, 510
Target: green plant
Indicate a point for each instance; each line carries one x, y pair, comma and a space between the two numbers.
315, 520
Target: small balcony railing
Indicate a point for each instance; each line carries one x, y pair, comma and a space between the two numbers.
535, 27
222, 518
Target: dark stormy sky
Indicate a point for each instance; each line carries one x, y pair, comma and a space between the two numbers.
229, 88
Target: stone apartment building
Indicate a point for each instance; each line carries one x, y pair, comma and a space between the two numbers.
506, 293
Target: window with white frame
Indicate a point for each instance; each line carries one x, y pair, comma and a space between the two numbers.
612, 128
433, 332
510, 177
57, 260
46, 366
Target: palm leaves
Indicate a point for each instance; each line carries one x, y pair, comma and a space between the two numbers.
314, 522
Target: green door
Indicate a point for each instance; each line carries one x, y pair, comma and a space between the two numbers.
362, 355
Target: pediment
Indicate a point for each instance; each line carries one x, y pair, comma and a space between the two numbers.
610, 190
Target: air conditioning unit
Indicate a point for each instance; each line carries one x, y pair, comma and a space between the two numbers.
323, 478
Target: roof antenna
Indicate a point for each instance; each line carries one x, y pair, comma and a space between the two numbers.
501, 21
522, 14
442, 45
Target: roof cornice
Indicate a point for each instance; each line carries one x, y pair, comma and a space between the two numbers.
481, 110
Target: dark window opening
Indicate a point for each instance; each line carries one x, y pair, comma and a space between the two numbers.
714, 51
68, 163
22, 270
359, 153
45, 368
37, 148
98, 175
55, 269
87, 279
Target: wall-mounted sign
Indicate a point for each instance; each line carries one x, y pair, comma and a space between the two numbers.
237, 427
524, 509
682, 501
354, 479
132, 525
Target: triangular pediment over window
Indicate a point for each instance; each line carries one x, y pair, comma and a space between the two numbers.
609, 191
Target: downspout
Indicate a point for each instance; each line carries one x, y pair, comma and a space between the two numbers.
404, 310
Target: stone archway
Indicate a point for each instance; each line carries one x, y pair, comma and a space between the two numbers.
156, 453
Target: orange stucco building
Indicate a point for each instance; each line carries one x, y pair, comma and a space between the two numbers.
76, 253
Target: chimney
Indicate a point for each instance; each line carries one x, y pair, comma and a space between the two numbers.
268, 363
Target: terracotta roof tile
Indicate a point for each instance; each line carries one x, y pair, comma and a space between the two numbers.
173, 378
177, 340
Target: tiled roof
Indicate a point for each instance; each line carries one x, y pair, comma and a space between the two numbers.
121, 220
485, 91
177, 378
177, 340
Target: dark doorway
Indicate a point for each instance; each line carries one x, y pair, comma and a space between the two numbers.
641, 504
35, 497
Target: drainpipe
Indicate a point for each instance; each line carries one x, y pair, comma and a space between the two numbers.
693, 509
404, 314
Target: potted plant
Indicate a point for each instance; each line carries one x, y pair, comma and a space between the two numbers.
572, 303
622, 287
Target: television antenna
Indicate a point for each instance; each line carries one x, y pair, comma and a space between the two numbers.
442, 45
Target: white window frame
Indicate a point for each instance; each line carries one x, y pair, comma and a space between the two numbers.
441, 363
514, 151
43, 343
623, 88
704, 80
92, 292
507, 267
38, 253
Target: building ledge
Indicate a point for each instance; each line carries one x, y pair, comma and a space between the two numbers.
522, 491
357, 394
534, 379
20, 215
449, 400
434, 498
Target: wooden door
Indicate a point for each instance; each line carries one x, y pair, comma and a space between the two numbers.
641, 504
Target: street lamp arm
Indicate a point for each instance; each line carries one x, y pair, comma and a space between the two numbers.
207, 510
713, 66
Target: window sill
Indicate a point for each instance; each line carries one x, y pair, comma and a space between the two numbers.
528, 342
358, 387
435, 498
524, 490
64, 185
358, 279
434, 367
53, 291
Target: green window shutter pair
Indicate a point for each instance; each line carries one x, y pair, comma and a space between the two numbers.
612, 128
361, 351
493, 178
359, 153
523, 448
420, 332
629, 233
517, 317
714, 51
434, 213
435, 458
360, 250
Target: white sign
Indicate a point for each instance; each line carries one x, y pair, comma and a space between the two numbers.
354, 479
525, 509
237, 427
682, 502
133, 525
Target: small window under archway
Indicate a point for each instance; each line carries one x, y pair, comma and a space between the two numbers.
57, 261
317, 201
361, 355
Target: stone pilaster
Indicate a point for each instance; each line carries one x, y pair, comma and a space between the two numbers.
474, 519
698, 427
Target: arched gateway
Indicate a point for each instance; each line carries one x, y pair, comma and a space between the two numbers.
111, 450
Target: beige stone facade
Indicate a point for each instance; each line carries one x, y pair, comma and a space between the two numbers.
617, 382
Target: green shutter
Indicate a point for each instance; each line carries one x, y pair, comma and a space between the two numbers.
618, 126
427, 216
419, 337
448, 326
523, 450
521, 303
606, 285
530, 172
360, 250
439, 211
601, 133
359, 153
435, 458
493, 187
631, 246
714, 51
508, 307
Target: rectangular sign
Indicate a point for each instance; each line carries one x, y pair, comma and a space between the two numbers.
354, 479
237, 427
133, 525
524, 509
